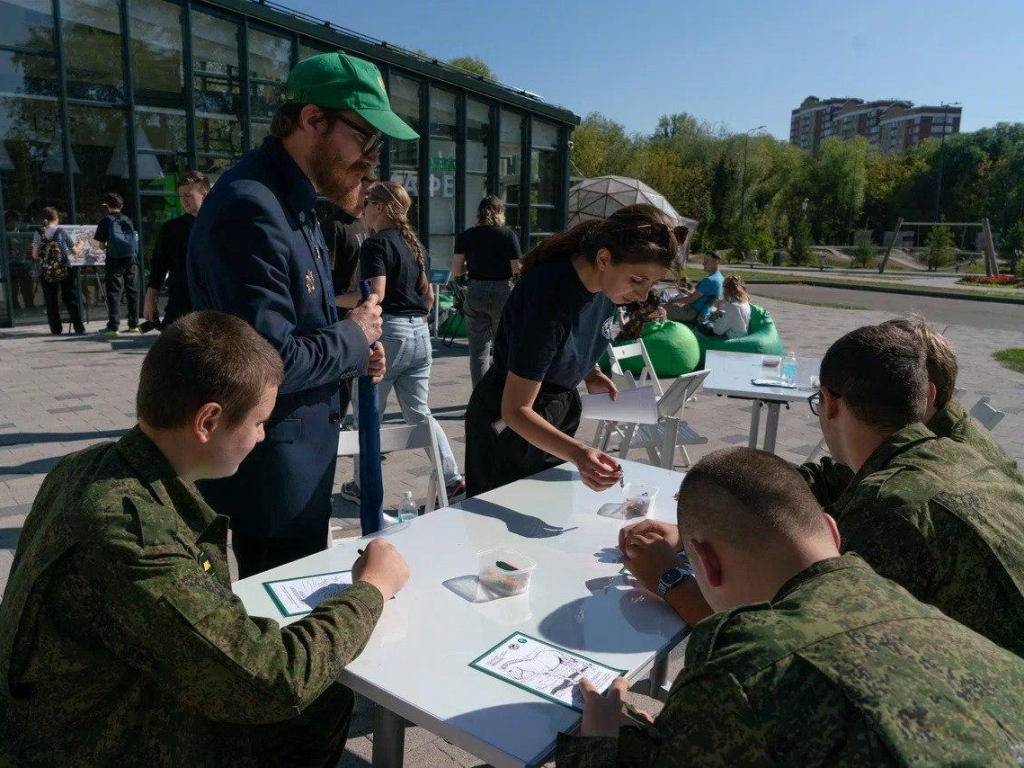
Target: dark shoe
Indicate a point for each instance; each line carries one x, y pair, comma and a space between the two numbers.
80, 331
350, 492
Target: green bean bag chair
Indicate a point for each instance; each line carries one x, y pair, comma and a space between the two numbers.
762, 337
672, 347
454, 325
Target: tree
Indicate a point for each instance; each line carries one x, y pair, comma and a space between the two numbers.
865, 252
940, 248
474, 66
1011, 248
800, 251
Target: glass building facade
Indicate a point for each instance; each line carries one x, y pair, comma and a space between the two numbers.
125, 95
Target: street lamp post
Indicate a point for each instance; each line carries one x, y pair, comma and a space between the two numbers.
743, 184
942, 154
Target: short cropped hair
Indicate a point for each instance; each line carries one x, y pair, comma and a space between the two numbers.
288, 117
113, 201
205, 357
879, 372
775, 499
941, 359
190, 177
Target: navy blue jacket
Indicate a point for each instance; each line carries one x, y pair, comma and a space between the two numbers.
256, 251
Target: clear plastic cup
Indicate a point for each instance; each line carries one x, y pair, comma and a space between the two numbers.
638, 501
504, 571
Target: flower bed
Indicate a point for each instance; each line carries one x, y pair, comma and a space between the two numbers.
1006, 281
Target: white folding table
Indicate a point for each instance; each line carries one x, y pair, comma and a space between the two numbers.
416, 664
732, 374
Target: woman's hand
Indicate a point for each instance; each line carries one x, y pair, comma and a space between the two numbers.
597, 384
598, 470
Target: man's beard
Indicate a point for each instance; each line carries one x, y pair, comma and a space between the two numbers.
333, 177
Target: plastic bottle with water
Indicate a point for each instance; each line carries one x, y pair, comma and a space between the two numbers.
789, 368
407, 509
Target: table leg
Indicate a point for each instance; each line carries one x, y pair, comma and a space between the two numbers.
771, 427
388, 739
755, 422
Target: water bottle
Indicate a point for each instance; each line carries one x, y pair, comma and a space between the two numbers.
789, 368
407, 509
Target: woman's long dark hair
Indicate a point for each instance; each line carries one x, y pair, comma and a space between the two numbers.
636, 234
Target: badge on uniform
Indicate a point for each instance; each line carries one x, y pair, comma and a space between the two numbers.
310, 285
204, 561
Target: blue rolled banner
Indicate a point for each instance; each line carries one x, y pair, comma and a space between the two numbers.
371, 480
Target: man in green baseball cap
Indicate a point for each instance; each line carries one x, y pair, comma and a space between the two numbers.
257, 251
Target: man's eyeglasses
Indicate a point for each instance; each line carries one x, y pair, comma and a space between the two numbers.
371, 139
814, 401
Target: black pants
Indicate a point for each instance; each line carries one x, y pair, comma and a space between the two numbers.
314, 738
122, 276
493, 460
256, 554
177, 306
67, 290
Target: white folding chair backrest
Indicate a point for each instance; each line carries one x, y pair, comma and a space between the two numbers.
683, 388
635, 349
986, 414
406, 438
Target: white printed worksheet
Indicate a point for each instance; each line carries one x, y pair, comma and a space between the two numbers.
294, 597
544, 669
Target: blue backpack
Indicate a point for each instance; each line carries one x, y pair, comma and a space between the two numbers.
123, 242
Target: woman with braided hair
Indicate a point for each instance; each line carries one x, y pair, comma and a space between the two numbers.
395, 263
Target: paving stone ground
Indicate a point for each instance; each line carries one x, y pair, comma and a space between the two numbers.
62, 394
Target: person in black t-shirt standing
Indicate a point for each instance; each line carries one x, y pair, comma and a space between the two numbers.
523, 416
344, 233
170, 252
490, 252
116, 234
394, 261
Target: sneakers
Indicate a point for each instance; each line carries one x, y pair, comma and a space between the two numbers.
350, 492
110, 333
133, 329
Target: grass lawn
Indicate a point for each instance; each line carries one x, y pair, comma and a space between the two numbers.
1011, 358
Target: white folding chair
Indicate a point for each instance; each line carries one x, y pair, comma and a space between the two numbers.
986, 414
635, 349
660, 440
404, 438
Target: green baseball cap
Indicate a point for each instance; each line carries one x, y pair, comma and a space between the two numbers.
339, 81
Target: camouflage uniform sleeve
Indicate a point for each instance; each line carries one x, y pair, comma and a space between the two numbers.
885, 537
706, 721
827, 479
162, 613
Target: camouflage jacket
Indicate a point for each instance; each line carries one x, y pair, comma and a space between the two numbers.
954, 421
842, 667
941, 521
121, 641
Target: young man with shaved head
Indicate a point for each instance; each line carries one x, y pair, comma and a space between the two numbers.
811, 657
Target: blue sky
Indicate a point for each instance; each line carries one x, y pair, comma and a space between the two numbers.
743, 63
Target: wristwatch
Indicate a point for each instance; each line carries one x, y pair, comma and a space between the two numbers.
674, 576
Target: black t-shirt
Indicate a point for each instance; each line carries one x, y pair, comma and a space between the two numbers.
169, 256
488, 251
344, 235
385, 254
552, 328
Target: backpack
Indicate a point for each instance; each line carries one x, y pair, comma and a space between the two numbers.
54, 265
123, 243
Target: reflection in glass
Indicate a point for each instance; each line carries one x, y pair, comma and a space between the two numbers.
442, 177
545, 177
476, 190
478, 135
270, 60
544, 135
217, 83
258, 132
160, 141
92, 50
405, 102
26, 74
510, 159
26, 23
96, 134
31, 159
158, 67
156, 211
308, 50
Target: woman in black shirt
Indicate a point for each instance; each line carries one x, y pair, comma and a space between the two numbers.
490, 252
395, 263
523, 415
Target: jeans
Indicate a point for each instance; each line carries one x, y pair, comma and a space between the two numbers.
485, 299
409, 355
122, 275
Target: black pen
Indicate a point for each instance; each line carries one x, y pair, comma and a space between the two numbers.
359, 551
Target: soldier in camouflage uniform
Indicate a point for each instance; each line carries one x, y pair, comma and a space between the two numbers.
121, 641
927, 512
811, 658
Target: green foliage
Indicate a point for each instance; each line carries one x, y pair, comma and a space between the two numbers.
474, 66
941, 250
763, 241
865, 252
1011, 247
1012, 358
800, 251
